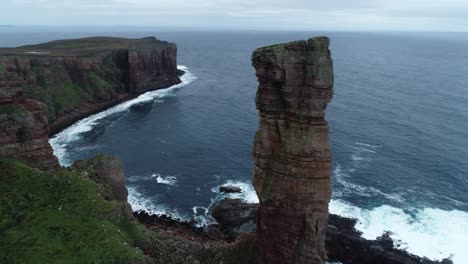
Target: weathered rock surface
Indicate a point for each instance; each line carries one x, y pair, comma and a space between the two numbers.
343, 242
109, 172
292, 159
24, 132
236, 216
76, 78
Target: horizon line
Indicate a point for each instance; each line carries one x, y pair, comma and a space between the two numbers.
233, 28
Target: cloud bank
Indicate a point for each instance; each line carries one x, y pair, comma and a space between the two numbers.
402, 15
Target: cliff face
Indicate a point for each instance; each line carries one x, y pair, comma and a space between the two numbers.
75, 78
292, 172
24, 132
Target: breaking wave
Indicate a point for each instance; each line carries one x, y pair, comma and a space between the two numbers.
248, 193
145, 202
429, 232
74, 133
169, 180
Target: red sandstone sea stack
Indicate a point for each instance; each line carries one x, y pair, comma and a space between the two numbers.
293, 163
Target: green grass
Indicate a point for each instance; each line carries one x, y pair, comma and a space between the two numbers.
85, 46
60, 218
101, 88
65, 97
12, 109
38, 70
3, 69
40, 94
276, 52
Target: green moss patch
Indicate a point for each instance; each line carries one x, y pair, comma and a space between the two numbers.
274, 53
60, 218
12, 109
40, 94
65, 97
3, 69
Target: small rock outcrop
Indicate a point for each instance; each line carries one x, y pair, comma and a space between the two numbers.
24, 132
230, 189
236, 216
292, 159
109, 172
79, 77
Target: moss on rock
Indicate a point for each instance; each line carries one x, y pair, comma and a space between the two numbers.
12, 109
3, 69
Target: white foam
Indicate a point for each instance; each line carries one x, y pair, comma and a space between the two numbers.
367, 145
429, 232
142, 202
361, 149
73, 133
168, 180
341, 177
248, 193
202, 216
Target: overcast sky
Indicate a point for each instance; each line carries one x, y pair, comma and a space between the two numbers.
374, 15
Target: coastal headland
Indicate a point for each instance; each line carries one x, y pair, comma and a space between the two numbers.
80, 214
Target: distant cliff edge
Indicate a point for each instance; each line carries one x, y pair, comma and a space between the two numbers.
78, 77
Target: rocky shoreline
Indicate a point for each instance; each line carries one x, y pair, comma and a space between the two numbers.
344, 243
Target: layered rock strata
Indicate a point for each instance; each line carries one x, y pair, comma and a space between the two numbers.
292, 159
24, 132
79, 77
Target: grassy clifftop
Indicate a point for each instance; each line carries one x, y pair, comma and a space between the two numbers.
83, 46
61, 218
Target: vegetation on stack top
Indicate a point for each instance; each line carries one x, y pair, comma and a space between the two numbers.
61, 218
83, 46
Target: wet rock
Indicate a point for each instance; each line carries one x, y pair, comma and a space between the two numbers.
230, 189
235, 216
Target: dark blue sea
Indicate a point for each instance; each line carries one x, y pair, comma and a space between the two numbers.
399, 129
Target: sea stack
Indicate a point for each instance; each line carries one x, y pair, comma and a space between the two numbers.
292, 159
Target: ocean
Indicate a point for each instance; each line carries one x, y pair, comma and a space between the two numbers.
398, 121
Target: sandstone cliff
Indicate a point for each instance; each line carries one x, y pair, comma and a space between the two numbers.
24, 132
292, 171
76, 78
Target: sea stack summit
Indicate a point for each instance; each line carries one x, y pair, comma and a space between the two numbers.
292, 171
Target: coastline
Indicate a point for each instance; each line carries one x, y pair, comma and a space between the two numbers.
69, 119
59, 136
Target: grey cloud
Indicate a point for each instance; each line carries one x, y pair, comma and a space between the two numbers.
294, 14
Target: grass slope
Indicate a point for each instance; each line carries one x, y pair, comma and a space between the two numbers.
60, 218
